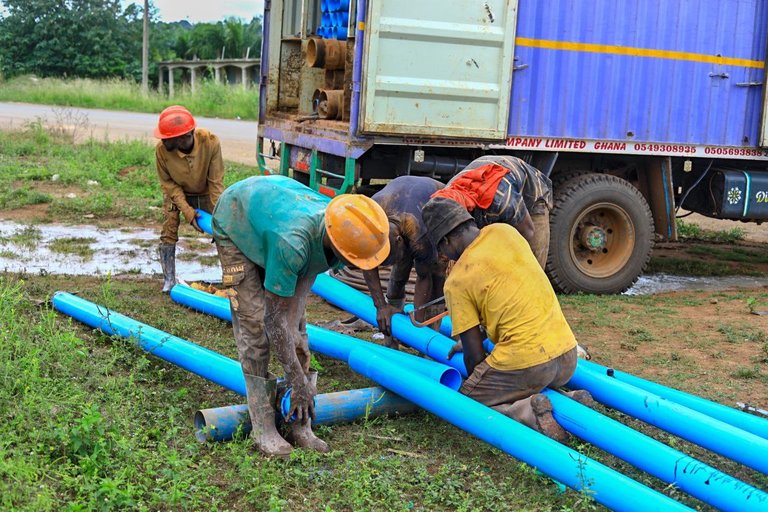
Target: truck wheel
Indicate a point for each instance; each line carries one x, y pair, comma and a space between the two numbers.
601, 235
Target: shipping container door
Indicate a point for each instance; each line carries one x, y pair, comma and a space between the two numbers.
764, 120
438, 67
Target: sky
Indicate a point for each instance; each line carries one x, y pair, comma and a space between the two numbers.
196, 11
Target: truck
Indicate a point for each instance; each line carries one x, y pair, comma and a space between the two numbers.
633, 108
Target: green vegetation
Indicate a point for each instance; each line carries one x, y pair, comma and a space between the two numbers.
693, 232
80, 246
83, 38
210, 99
93, 423
103, 182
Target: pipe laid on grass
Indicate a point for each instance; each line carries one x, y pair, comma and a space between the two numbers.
323, 341
575, 470
221, 423
698, 428
739, 419
199, 360
425, 340
671, 466
643, 454
735, 417
667, 464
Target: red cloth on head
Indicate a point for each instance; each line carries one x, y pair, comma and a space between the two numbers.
475, 188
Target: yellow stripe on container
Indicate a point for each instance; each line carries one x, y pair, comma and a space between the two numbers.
636, 52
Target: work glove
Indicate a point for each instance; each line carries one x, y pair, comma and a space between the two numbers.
194, 224
303, 401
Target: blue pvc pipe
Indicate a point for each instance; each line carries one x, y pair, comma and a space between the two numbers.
423, 339
204, 221
194, 358
202, 301
667, 464
739, 419
353, 301
575, 470
323, 341
698, 428
221, 423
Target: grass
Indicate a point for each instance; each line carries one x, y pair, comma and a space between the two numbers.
79, 246
93, 423
27, 237
210, 99
693, 232
96, 180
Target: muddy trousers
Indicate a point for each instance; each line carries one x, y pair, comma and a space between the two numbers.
244, 279
515, 393
169, 234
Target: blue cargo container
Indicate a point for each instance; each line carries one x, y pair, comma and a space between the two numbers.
634, 108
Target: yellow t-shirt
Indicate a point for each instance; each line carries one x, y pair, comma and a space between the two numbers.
497, 283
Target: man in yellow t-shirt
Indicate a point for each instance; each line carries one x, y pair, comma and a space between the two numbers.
498, 285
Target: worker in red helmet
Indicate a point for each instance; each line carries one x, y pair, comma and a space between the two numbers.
191, 173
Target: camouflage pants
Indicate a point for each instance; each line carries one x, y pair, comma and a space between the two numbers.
244, 281
169, 234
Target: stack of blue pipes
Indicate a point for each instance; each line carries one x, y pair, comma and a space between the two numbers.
334, 19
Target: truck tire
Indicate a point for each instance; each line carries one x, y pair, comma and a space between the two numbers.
601, 235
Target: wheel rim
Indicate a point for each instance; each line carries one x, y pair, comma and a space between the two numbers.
602, 240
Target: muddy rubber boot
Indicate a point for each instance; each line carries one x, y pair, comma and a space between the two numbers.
168, 263
261, 400
582, 396
302, 435
545, 422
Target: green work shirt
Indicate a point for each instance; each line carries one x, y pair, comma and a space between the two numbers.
278, 224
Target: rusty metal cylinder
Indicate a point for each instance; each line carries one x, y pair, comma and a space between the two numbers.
330, 104
326, 53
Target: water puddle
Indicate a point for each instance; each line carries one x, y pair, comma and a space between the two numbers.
662, 283
88, 250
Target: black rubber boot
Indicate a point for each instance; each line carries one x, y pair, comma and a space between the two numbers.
168, 263
261, 400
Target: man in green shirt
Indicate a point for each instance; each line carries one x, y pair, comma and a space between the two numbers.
274, 235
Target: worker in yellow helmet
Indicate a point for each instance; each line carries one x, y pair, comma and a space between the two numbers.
274, 235
191, 173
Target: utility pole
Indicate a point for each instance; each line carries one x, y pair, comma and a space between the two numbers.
145, 51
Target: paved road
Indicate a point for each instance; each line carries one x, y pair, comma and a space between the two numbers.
238, 137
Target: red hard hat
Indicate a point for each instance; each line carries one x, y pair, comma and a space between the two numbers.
174, 121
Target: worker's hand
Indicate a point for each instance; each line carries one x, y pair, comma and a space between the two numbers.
455, 349
303, 402
384, 317
194, 224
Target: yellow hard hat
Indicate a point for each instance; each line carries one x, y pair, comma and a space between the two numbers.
358, 229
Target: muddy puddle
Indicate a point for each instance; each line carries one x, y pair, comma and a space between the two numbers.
88, 250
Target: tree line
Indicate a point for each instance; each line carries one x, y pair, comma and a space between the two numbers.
101, 39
